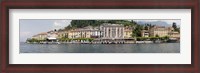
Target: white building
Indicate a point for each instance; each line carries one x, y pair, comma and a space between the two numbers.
112, 31
52, 35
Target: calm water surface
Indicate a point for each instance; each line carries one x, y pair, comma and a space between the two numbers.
100, 48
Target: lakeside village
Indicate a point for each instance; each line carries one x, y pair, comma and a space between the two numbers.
110, 33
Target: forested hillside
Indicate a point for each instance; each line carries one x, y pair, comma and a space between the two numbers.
137, 28
84, 23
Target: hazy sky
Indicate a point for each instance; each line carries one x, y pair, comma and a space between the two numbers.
30, 27
178, 22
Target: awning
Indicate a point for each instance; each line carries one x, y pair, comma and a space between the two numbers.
51, 38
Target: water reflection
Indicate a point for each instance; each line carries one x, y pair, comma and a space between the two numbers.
100, 48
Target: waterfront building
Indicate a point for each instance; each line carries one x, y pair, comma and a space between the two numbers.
63, 34
70, 34
128, 32
145, 33
160, 31
112, 31
52, 35
86, 32
40, 36
174, 34
35, 37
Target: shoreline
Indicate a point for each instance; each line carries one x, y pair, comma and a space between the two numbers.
102, 42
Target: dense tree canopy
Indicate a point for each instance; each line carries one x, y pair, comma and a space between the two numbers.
137, 31
175, 27
84, 23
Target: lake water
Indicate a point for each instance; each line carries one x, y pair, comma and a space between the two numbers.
100, 48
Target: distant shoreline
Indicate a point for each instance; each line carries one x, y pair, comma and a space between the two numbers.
104, 42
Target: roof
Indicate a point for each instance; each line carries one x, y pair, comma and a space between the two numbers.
34, 35
43, 33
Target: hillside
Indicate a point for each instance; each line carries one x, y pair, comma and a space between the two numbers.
138, 26
94, 23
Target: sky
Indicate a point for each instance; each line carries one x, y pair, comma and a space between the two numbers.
178, 22
30, 27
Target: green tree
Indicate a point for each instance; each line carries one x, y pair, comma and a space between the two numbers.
84, 23
166, 37
146, 28
175, 27
157, 35
137, 31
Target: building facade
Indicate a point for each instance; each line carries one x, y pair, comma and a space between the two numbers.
87, 32
112, 31
40, 36
128, 32
52, 35
145, 33
63, 34
160, 31
174, 35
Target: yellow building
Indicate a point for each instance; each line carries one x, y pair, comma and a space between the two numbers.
87, 32
128, 32
174, 35
70, 34
160, 31
35, 37
40, 36
63, 34
77, 33
145, 33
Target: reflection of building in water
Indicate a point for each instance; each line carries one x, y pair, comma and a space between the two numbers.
112, 31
